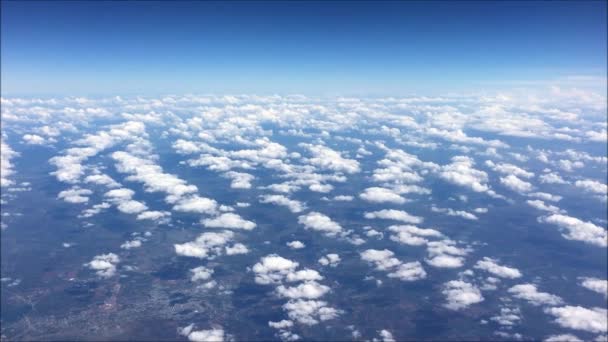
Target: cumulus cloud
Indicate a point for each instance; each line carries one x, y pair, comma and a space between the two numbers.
211, 335
240, 180
412, 235
331, 259
490, 265
293, 205
445, 254
328, 159
310, 312
296, 244
230, 221
6, 166
451, 212
384, 260
131, 244
592, 186
104, 264
593, 320
392, 214
460, 294
552, 178
319, 222
509, 169
514, 183
575, 229
562, 338
461, 172
75, 195
201, 273
381, 195
530, 293
306, 290
596, 285
207, 246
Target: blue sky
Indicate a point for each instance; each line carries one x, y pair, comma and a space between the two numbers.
316, 48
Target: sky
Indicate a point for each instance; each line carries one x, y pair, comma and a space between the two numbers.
313, 48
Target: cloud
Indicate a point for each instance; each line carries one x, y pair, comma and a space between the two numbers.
540, 205
451, 212
552, 178
230, 221
153, 215
529, 293
545, 196
131, 244
240, 180
412, 235
331, 259
461, 172
295, 244
575, 229
75, 195
381, 195
33, 139
562, 338
201, 273
207, 246
104, 264
306, 290
596, 285
461, 294
592, 186
382, 259
319, 222
392, 214
6, 165
328, 159
445, 254
409, 271
593, 320
196, 204
386, 336
516, 184
293, 205
310, 312
237, 248
211, 335
101, 179
509, 169
490, 265
272, 269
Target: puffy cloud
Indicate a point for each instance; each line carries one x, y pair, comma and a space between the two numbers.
552, 178
104, 264
545, 196
295, 244
310, 312
540, 205
386, 336
307, 290
283, 324
392, 214
153, 215
529, 293
382, 259
412, 235
575, 229
461, 294
196, 204
593, 320
131, 244
490, 265
462, 173
381, 195
237, 248
592, 186
331, 259
201, 273
409, 271
272, 269
508, 316
207, 246
343, 198
451, 212
293, 205
562, 338
228, 220
509, 169
319, 222
516, 184
240, 180
328, 159
211, 335
33, 139
597, 285
75, 195
445, 254
101, 179
132, 207
6, 165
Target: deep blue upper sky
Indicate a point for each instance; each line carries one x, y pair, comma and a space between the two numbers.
115, 47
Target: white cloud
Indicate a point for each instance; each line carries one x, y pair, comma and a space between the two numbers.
75, 195
228, 220
575, 229
104, 264
552, 178
409, 271
593, 320
132, 207
319, 222
102, 179
386, 336
309, 312
153, 215
201, 273
272, 269
462, 173
293, 205
597, 285
529, 293
381, 195
451, 212
237, 248
211, 335
392, 214
6, 165
196, 204
240, 180
131, 244
331, 259
461, 294
562, 338
295, 244
540, 205
516, 184
592, 186
33, 139
382, 259
306, 290
328, 159
412, 235
545, 196
509, 169
445, 254
490, 265
207, 246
